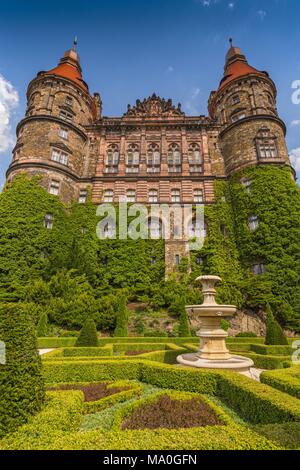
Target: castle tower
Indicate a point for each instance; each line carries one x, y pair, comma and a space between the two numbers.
52, 139
245, 106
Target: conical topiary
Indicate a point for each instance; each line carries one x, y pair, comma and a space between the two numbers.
88, 334
121, 318
42, 326
184, 327
274, 334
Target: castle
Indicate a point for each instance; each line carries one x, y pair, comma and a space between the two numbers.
154, 153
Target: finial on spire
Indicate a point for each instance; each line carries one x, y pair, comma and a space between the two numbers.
75, 44
230, 42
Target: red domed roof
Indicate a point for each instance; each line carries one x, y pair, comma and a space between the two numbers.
237, 66
69, 67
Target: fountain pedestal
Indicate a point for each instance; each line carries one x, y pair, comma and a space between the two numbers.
213, 353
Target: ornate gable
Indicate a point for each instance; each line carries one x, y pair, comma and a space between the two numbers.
154, 106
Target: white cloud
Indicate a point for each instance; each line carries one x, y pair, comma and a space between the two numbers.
207, 3
295, 122
191, 105
262, 14
231, 5
9, 100
295, 158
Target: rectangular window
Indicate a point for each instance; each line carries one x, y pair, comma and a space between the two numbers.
253, 223
177, 260
54, 187
258, 268
198, 195
153, 195
65, 115
82, 196
175, 195
130, 195
63, 133
108, 195
267, 151
59, 156
48, 221
153, 169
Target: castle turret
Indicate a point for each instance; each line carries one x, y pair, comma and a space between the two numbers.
52, 138
245, 105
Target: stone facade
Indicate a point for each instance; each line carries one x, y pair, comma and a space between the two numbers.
154, 153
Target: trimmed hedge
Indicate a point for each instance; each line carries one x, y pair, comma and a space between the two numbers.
88, 334
287, 381
267, 362
21, 382
54, 342
88, 351
56, 427
271, 350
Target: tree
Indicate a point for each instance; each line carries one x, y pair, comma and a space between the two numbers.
42, 326
274, 334
88, 334
184, 327
121, 318
21, 384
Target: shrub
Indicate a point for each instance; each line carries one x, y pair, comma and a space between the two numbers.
246, 334
184, 327
21, 382
287, 380
224, 324
121, 318
42, 327
275, 334
88, 334
271, 350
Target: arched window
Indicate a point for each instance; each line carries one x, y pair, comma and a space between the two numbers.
155, 228
195, 158
132, 159
153, 158
153, 195
112, 158
266, 144
174, 158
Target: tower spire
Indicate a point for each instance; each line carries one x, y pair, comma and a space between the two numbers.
230, 42
74, 47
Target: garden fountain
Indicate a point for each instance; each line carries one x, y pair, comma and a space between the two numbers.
213, 353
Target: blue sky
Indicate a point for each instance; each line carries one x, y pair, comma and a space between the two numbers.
132, 48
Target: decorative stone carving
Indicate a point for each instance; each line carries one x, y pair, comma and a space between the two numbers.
154, 106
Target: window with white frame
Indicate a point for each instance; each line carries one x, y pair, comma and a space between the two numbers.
59, 156
63, 133
155, 228
198, 195
253, 222
195, 158
266, 144
153, 195
132, 159
48, 221
54, 187
65, 115
238, 116
175, 195
82, 196
108, 195
130, 195
258, 269
112, 158
174, 158
153, 158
